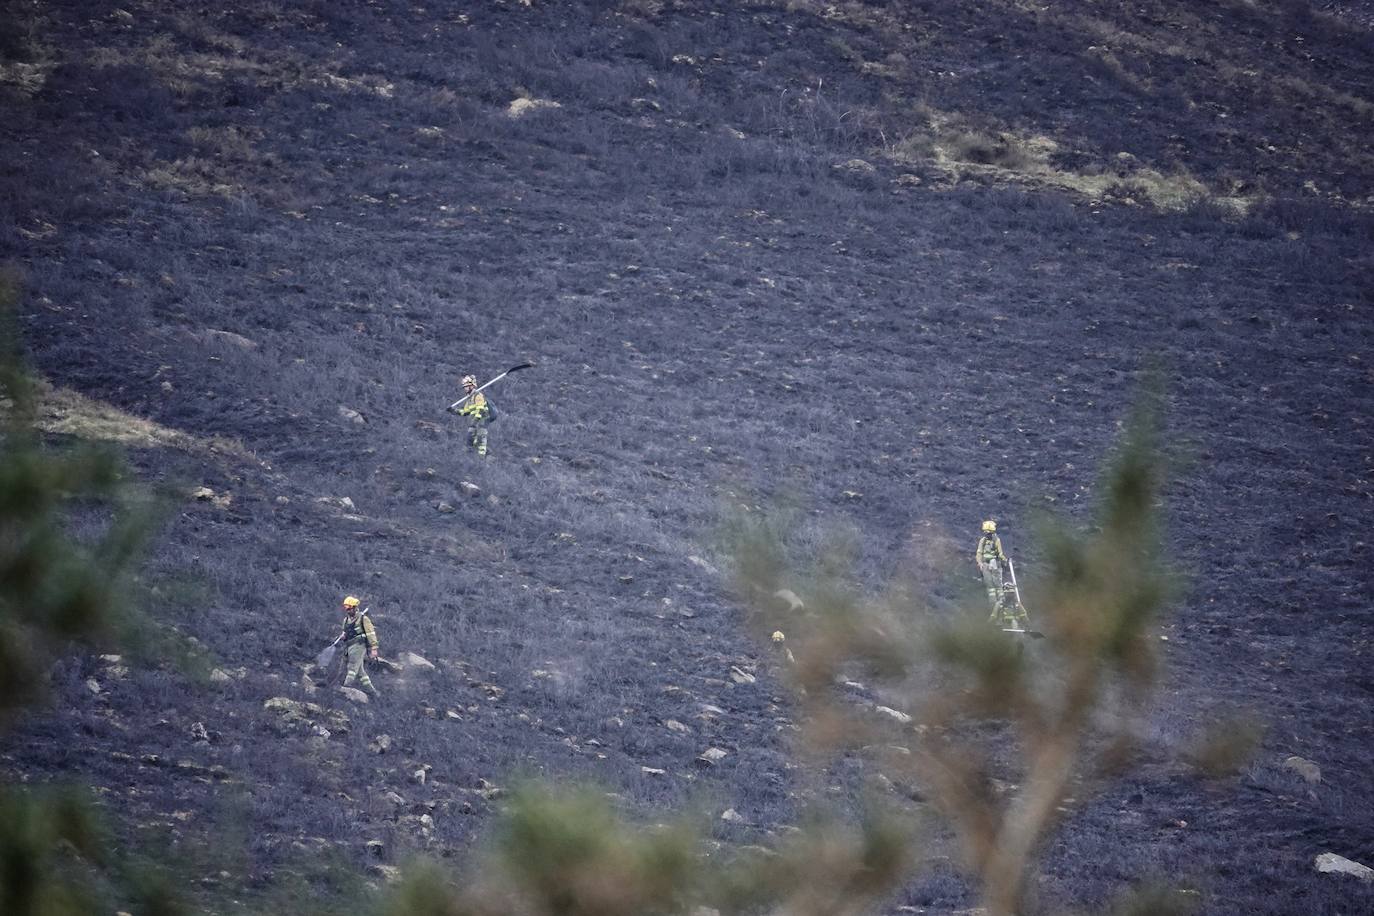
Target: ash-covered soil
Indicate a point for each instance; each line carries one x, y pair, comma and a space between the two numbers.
912, 261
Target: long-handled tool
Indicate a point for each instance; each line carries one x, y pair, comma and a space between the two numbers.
1016, 594
490, 383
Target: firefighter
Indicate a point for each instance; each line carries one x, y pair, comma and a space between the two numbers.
360, 641
479, 414
990, 559
1005, 600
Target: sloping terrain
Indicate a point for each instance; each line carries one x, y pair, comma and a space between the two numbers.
909, 260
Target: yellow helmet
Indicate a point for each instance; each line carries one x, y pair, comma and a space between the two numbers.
350, 602
777, 636
470, 380
989, 526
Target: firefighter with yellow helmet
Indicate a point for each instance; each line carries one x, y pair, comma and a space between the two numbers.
990, 559
479, 413
359, 637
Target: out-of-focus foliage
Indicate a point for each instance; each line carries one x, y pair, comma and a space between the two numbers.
56, 588
968, 688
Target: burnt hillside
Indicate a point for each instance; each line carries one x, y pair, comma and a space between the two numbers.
910, 261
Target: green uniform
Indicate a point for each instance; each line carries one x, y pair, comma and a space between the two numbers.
990, 558
359, 635
478, 413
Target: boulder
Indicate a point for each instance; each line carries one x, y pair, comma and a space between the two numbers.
731, 816
469, 488
306, 716
353, 694
855, 167
1305, 768
523, 106
380, 744
740, 676
352, 416
341, 502
1332, 864
711, 756
388, 873
891, 713
228, 337
409, 661
704, 564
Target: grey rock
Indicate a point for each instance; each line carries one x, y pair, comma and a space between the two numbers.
391, 874
409, 660
711, 756
1330, 863
354, 694
1305, 768
704, 564
855, 167
228, 337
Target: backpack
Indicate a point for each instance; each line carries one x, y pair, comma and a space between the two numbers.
491, 412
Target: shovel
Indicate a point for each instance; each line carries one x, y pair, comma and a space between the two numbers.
1016, 590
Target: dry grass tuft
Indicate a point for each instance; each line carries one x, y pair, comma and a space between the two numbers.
62, 411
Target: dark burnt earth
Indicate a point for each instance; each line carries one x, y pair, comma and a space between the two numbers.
1049, 200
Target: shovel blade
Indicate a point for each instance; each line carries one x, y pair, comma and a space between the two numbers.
1033, 634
